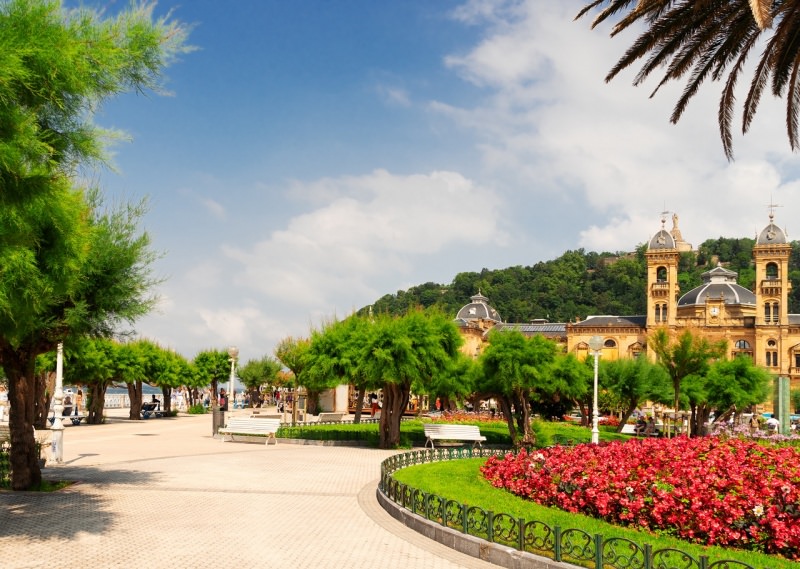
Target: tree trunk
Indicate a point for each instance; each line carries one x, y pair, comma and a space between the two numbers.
45, 386
95, 402
395, 401
528, 438
135, 396
312, 401
505, 407
360, 391
19, 369
166, 395
626, 414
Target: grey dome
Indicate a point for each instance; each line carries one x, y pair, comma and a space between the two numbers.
478, 309
771, 235
662, 240
718, 283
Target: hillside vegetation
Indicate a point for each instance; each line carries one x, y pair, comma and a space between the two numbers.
578, 284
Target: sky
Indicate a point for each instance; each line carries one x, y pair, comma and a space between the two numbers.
310, 157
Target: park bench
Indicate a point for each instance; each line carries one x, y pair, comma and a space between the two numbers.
630, 429
331, 417
446, 432
251, 426
74, 419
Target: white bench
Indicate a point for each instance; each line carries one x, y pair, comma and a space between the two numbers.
251, 426
330, 417
446, 432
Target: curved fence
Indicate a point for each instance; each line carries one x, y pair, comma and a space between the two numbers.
569, 545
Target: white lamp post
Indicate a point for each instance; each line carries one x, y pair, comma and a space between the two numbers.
595, 344
57, 428
233, 352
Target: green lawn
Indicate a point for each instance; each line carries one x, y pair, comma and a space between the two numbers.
461, 480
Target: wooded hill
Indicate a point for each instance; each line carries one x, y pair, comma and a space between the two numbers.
579, 284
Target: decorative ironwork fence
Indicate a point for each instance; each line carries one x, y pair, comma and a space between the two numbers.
569, 545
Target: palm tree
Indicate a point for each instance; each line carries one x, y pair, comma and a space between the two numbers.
709, 38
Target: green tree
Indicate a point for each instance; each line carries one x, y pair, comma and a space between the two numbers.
334, 357
687, 355
257, 373
59, 252
406, 354
704, 40
292, 352
93, 362
515, 366
212, 367
636, 380
727, 386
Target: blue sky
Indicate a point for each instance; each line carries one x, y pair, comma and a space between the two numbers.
313, 156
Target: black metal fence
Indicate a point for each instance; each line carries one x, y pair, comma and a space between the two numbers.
569, 545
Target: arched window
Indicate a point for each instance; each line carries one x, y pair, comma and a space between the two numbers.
771, 312
609, 344
661, 274
742, 348
772, 271
661, 312
772, 353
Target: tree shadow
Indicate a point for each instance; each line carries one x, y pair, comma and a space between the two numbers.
65, 513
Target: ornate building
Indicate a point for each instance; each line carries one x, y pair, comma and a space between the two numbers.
755, 323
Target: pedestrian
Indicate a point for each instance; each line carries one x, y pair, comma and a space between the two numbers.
373, 403
78, 401
753, 423
223, 400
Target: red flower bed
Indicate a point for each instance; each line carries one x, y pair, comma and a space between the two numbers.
708, 490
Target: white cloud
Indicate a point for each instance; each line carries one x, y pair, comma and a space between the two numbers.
370, 226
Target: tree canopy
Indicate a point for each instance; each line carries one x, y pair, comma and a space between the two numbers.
712, 40
68, 266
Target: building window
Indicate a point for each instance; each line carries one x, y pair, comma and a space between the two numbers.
609, 344
771, 312
772, 358
661, 312
661, 274
742, 348
772, 271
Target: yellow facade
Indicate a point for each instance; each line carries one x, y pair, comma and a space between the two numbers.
754, 323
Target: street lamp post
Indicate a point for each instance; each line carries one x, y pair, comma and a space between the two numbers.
233, 352
57, 428
595, 344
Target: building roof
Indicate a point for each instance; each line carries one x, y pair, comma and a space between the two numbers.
662, 240
719, 282
549, 329
771, 235
478, 309
591, 321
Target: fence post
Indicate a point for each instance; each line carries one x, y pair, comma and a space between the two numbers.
490, 527
648, 556
464, 508
521, 530
703, 562
598, 551
557, 543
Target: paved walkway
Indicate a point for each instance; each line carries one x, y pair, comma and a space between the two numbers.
164, 493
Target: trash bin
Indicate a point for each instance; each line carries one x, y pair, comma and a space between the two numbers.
217, 420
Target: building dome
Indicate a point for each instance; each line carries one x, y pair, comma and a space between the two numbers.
718, 283
662, 240
771, 235
478, 309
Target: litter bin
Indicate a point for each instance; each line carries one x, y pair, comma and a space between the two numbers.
217, 420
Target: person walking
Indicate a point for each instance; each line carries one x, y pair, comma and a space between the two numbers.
78, 401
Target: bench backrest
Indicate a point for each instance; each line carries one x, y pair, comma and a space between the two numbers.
249, 424
442, 430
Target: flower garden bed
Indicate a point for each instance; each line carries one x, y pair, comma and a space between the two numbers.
729, 492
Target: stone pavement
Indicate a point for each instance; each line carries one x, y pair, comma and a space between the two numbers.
164, 493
